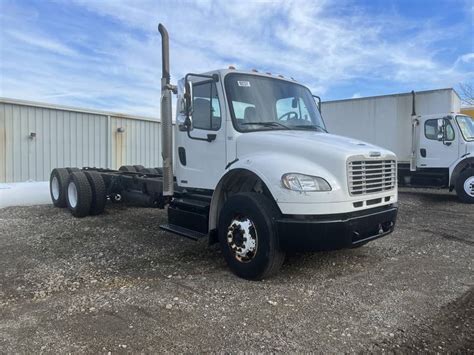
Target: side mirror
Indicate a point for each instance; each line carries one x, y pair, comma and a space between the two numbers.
294, 103
440, 135
188, 104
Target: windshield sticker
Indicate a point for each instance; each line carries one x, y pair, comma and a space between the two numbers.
244, 83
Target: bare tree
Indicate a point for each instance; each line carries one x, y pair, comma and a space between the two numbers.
467, 93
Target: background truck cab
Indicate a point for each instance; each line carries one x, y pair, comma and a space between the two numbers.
433, 142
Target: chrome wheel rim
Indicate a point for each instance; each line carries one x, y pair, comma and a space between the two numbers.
242, 239
72, 194
469, 186
55, 187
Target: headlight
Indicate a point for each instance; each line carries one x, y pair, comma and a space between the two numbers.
301, 182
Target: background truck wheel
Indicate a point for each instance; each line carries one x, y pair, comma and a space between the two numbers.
79, 194
139, 167
99, 195
247, 236
160, 170
128, 168
72, 170
465, 186
58, 186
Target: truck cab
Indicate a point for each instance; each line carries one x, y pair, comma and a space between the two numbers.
444, 152
257, 171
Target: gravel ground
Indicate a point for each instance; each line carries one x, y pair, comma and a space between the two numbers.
118, 283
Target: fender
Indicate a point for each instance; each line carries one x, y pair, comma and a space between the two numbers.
269, 168
459, 166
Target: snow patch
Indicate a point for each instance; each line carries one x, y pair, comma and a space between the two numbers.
24, 194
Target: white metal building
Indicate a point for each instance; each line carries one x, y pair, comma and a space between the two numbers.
37, 137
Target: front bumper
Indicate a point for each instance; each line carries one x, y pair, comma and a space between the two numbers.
331, 232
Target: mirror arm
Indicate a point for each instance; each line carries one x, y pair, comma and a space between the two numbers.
213, 77
172, 88
319, 102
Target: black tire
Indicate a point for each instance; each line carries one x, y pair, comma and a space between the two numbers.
58, 186
262, 212
465, 181
159, 170
79, 203
99, 195
139, 167
128, 168
72, 170
149, 171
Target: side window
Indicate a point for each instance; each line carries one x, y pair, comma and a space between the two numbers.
206, 107
432, 130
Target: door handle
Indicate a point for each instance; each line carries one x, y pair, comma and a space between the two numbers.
423, 152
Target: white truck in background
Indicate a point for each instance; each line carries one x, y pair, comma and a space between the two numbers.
255, 171
433, 142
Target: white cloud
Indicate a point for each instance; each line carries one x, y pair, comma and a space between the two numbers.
310, 41
41, 42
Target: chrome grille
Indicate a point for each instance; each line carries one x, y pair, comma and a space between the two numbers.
371, 176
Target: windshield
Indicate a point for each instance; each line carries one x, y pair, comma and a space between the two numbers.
466, 124
260, 103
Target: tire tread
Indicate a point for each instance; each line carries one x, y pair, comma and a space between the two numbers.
84, 194
99, 195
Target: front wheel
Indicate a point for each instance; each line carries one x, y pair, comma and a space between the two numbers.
247, 236
465, 186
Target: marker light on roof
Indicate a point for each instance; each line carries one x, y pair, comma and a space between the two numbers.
255, 70
231, 67
269, 73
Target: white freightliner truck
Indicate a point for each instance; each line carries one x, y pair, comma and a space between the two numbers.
433, 142
255, 171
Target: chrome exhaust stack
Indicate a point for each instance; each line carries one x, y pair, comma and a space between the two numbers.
414, 124
166, 115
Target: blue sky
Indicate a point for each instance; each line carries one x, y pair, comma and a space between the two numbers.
105, 54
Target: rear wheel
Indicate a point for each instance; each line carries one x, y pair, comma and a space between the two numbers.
99, 195
79, 194
139, 167
149, 171
128, 168
247, 236
465, 186
58, 186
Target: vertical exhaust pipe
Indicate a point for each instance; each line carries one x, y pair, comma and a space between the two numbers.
414, 124
166, 115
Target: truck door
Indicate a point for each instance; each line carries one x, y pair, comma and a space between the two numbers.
439, 144
201, 154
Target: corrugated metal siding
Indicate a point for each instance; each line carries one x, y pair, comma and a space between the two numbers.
138, 144
70, 138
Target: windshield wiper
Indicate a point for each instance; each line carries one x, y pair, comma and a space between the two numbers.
311, 126
267, 124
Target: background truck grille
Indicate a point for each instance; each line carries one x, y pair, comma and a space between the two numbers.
371, 176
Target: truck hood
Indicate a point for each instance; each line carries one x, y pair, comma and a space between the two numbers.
316, 146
